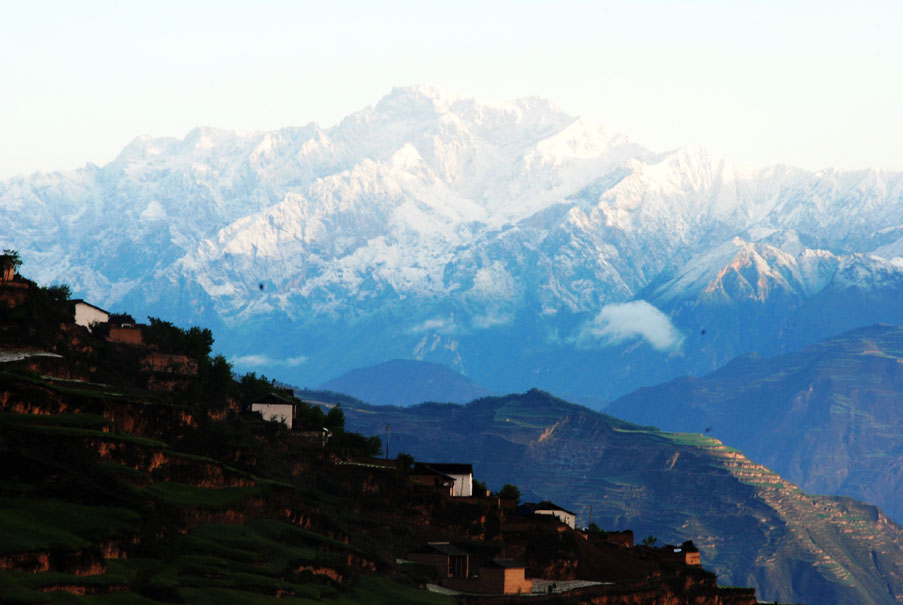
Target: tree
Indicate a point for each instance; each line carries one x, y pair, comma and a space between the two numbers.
335, 419
195, 342
122, 318
509, 492
218, 381
405, 462
10, 260
252, 387
479, 487
348, 445
649, 541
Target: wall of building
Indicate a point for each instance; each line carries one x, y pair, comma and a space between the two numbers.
280, 412
85, 315
515, 582
12, 296
494, 580
565, 517
128, 335
621, 538
431, 480
439, 561
463, 485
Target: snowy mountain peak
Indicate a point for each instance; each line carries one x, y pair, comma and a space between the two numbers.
431, 224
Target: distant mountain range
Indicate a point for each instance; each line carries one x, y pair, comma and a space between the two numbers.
405, 382
827, 418
511, 242
752, 526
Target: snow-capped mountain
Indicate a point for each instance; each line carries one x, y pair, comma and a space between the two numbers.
511, 241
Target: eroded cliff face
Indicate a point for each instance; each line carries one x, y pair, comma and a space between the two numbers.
751, 526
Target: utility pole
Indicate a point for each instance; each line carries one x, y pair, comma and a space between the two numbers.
387, 442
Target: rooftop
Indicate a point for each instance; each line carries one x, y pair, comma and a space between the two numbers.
454, 468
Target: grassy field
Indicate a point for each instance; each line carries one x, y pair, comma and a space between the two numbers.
30, 524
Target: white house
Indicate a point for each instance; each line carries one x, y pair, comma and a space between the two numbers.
548, 508
274, 407
461, 473
87, 314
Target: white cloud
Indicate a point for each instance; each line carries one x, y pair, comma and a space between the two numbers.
618, 322
264, 360
491, 319
251, 360
442, 325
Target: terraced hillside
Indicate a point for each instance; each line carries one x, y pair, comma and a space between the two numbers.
103, 493
752, 527
826, 417
134, 472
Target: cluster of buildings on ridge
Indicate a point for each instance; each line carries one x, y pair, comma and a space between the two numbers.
452, 564
455, 480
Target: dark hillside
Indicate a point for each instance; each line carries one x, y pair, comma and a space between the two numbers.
134, 472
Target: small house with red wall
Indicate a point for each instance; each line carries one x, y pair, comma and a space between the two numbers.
500, 576
125, 333
686, 553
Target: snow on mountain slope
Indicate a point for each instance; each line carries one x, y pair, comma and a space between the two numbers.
484, 235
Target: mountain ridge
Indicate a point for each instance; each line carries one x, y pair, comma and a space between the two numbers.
825, 417
431, 225
406, 382
752, 526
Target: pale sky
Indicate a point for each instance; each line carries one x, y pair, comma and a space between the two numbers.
811, 84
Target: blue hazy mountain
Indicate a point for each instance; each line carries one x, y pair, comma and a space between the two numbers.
405, 382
